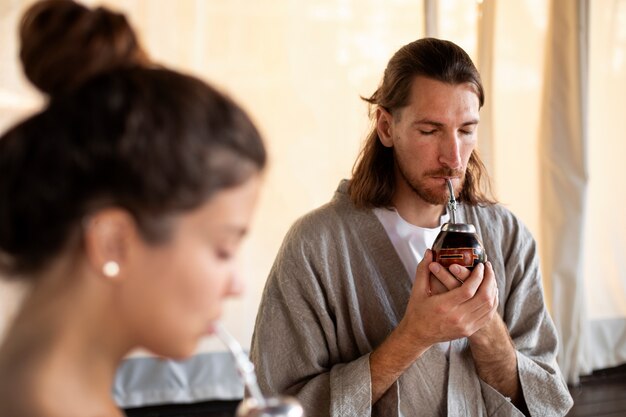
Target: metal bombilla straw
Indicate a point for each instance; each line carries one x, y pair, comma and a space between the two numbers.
457, 243
452, 202
256, 405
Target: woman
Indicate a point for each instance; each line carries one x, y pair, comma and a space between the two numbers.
123, 202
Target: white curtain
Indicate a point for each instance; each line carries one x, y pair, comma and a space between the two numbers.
564, 171
604, 243
583, 229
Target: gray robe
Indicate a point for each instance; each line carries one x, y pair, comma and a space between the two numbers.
338, 288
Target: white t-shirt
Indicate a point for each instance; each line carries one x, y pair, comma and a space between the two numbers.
410, 241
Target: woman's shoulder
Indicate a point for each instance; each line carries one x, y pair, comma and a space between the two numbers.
20, 389
37, 382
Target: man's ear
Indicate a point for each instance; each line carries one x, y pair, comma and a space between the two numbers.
384, 127
108, 235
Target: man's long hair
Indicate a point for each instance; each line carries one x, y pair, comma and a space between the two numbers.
373, 178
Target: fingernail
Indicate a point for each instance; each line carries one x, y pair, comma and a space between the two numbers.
455, 269
434, 268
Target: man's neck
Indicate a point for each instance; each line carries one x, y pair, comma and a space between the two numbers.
417, 211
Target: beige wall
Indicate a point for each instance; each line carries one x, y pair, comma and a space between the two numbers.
297, 67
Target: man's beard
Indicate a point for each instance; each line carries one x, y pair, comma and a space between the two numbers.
435, 196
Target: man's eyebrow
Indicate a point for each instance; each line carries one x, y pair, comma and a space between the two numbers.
439, 124
427, 122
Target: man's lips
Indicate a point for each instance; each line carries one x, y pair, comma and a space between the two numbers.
444, 178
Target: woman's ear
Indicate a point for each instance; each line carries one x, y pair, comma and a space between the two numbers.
384, 127
108, 234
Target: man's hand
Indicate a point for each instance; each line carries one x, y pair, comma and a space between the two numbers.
491, 346
439, 315
432, 318
438, 287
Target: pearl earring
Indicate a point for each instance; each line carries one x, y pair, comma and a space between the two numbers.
111, 269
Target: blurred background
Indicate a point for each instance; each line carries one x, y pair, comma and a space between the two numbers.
551, 133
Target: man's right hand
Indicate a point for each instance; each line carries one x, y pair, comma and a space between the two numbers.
430, 318
438, 316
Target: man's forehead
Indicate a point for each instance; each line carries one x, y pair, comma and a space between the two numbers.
434, 102
424, 86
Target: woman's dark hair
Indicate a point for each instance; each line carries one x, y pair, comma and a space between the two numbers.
373, 180
152, 141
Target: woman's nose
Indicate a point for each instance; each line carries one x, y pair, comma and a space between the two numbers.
236, 285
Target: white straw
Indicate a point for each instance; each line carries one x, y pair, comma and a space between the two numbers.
244, 366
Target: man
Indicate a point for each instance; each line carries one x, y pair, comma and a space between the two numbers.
356, 318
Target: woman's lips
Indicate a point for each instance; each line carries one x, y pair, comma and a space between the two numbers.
210, 329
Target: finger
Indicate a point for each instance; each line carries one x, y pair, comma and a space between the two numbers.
467, 291
489, 271
488, 293
422, 274
489, 286
460, 272
436, 287
444, 276
492, 277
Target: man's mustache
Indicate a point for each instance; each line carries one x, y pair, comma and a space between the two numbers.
446, 172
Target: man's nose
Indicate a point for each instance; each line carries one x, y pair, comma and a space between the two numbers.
450, 151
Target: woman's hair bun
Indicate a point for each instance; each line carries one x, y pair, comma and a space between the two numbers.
64, 43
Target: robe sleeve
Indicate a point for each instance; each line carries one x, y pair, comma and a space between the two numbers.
294, 345
531, 329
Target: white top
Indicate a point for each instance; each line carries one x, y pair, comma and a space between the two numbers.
410, 241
